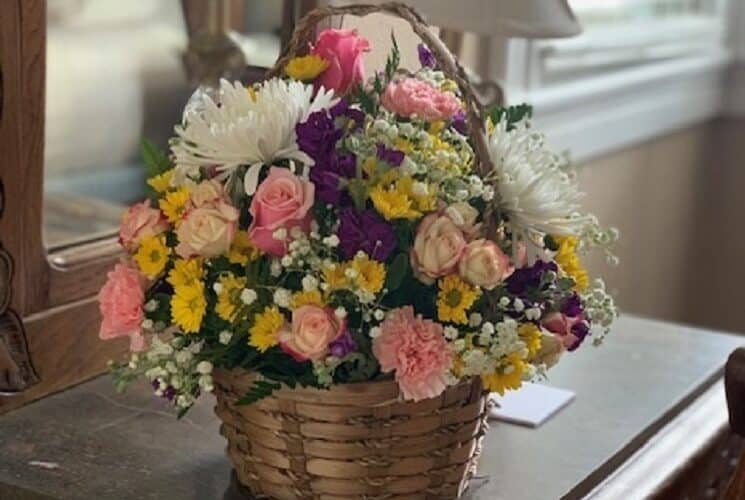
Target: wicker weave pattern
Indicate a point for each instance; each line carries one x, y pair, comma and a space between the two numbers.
354, 441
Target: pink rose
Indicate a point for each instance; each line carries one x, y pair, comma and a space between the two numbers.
313, 328
416, 349
207, 231
416, 97
484, 264
120, 301
283, 200
438, 246
140, 221
342, 49
570, 330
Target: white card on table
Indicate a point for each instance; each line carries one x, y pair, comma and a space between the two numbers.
531, 405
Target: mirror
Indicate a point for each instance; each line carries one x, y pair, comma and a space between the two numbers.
115, 74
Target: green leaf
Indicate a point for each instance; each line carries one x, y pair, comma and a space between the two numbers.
513, 114
156, 161
397, 271
258, 391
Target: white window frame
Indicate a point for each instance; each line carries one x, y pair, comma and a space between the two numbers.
681, 75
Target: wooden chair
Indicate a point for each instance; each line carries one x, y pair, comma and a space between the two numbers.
734, 383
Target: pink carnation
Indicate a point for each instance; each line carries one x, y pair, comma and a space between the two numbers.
415, 97
416, 349
120, 302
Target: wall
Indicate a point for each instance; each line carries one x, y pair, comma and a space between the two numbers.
678, 203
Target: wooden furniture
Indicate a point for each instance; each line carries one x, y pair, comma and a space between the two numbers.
649, 416
48, 315
734, 381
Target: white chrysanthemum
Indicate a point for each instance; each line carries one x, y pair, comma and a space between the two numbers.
535, 191
247, 129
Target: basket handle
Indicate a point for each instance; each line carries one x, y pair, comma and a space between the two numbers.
305, 32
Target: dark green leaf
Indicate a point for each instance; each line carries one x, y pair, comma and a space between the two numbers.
397, 271
156, 161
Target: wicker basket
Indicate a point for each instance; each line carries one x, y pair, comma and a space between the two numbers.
352, 441
359, 440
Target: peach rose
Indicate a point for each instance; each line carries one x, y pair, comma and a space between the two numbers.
207, 231
283, 200
343, 50
140, 221
313, 328
550, 351
120, 302
464, 217
411, 96
484, 264
207, 193
416, 350
438, 246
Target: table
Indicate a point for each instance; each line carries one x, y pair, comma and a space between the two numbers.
91, 443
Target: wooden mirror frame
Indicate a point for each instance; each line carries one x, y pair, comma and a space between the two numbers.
49, 315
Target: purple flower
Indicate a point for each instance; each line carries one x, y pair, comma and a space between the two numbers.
528, 277
343, 109
328, 178
572, 306
426, 59
459, 123
365, 231
343, 345
392, 157
579, 330
317, 136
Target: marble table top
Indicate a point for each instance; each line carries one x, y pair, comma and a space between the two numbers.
91, 443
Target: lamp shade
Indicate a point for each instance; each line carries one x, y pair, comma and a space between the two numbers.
503, 18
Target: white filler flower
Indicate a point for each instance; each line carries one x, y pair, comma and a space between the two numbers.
535, 191
247, 128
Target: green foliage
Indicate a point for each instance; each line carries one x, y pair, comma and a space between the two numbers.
513, 114
156, 161
356, 367
393, 61
550, 243
258, 391
397, 271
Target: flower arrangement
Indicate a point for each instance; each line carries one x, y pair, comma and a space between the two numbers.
320, 229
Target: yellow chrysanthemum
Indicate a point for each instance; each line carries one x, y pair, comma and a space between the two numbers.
161, 183
335, 277
186, 272
392, 203
422, 202
188, 305
404, 145
312, 297
509, 377
569, 262
306, 67
152, 256
370, 274
448, 85
229, 298
243, 251
454, 299
436, 126
251, 93
531, 335
174, 204
265, 331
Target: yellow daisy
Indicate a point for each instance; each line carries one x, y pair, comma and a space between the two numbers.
336, 277
265, 331
370, 274
392, 203
152, 256
229, 298
186, 272
421, 202
454, 299
531, 335
307, 298
509, 377
242, 251
306, 67
161, 183
174, 204
188, 305
569, 262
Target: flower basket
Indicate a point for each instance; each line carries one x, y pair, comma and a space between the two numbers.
352, 441
351, 265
